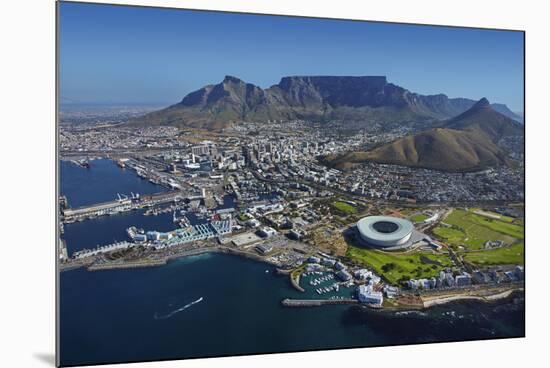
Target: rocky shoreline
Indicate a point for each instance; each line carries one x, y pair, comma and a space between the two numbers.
488, 298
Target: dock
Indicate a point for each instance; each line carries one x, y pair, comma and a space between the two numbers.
316, 302
63, 253
120, 265
120, 205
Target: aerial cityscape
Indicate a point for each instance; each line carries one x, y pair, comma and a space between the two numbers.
312, 211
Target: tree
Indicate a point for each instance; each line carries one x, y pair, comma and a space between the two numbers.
388, 267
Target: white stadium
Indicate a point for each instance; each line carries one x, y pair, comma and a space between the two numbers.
385, 231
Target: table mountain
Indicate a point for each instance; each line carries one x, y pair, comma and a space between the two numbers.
320, 98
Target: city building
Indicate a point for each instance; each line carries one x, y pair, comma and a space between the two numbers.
463, 280
267, 232
343, 275
264, 248
366, 294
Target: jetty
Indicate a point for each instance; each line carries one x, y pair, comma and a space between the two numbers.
316, 302
122, 265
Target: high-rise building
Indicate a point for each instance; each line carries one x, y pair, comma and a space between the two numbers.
200, 150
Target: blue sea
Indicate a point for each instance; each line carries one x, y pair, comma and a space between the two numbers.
101, 182
217, 304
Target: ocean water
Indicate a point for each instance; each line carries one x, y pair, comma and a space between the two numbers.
101, 182
157, 313
108, 229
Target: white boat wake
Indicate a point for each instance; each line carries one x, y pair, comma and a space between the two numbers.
166, 316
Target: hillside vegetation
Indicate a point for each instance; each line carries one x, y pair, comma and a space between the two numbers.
467, 142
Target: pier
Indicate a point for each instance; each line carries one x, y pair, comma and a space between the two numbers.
316, 302
124, 265
119, 205
295, 282
63, 253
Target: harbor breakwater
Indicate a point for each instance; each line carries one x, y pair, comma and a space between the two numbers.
316, 302
91, 266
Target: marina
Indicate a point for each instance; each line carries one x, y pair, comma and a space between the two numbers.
326, 286
164, 230
181, 239
288, 328
238, 182
160, 240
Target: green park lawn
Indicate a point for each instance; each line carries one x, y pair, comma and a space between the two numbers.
472, 230
505, 255
344, 207
397, 266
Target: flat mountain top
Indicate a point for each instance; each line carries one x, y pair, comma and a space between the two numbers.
364, 99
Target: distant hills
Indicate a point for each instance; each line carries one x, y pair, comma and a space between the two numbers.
504, 110
366, 99
483, 118
469, 141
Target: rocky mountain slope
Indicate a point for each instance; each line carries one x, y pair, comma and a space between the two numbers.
368, 99
470, 141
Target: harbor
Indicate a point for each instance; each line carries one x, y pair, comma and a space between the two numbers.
122, 204
195, 254
173, 225
188, 278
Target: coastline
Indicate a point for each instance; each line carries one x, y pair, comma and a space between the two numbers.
425, 303
487, 298
90, 266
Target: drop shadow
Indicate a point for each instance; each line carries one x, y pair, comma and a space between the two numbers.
47, 358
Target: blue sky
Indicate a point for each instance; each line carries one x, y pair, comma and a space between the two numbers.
115, 54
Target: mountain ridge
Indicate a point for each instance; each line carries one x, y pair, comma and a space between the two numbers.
321, 98
467, 142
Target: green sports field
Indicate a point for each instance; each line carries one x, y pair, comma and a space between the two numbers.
506, 255
396, 266
472, 230
344, 207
